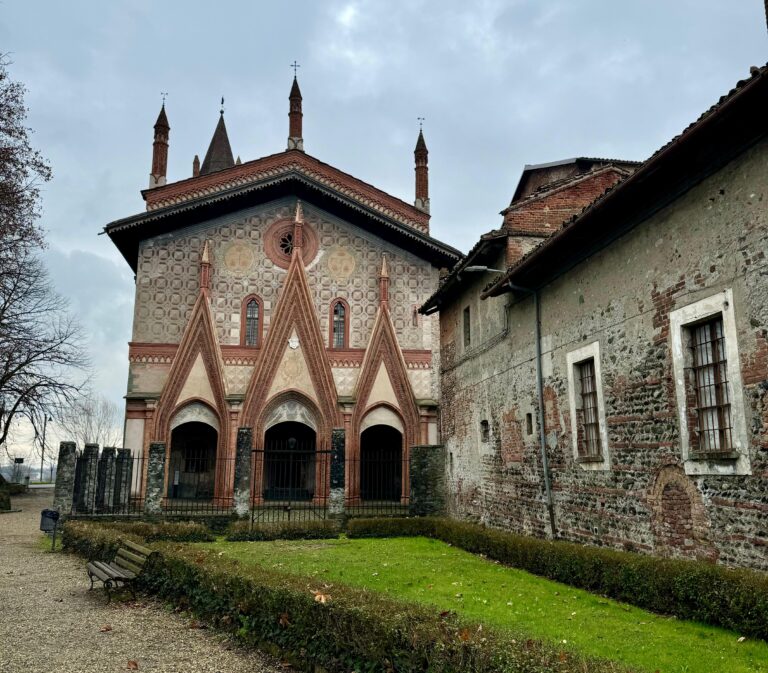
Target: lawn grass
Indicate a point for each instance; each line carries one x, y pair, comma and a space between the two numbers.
429, 571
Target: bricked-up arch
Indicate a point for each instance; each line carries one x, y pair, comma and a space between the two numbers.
678, 518
295, 310
383, 348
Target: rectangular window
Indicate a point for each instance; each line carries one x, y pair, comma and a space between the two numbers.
589, 441
467, 328
589, 431
709, 380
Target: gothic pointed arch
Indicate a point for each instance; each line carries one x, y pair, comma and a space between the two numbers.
294, 337
197, 373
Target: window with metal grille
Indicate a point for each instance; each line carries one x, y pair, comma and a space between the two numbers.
252, 323
589, 445
467, 328
709, 376
339, 325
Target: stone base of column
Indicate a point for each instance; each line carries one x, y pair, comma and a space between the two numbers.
336, 503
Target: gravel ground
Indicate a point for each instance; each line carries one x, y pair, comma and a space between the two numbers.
51, 623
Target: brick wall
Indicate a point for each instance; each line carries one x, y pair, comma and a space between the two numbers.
712, 238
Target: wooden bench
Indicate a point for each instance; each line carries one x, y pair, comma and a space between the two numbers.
122, 570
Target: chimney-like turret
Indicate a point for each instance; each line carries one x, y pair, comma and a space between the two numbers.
160, 150
295, 139
421, 155
195, 166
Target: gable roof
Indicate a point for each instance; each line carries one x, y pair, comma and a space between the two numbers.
293, 172
721, 133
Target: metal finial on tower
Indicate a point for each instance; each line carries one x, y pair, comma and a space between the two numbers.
421, 121
295, 67
164, 94
222, 106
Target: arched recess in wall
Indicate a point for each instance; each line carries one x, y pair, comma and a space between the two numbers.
679, 520
381, 466
252, 321
194, 468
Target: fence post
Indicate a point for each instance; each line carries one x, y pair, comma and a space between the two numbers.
105, 484
153, 499
427, 480
243, 452
64, 490
123, 480
336, 499
89, 476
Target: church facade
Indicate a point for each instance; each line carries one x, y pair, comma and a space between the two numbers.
280, 295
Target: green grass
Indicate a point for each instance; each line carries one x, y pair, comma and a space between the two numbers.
432, 572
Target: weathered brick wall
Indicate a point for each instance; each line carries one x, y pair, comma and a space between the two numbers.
713, 238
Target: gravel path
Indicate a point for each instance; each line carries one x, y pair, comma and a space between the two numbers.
51, 623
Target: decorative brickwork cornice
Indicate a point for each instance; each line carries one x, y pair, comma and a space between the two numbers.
282, 164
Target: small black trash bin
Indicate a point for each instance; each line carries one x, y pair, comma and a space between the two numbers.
49, 521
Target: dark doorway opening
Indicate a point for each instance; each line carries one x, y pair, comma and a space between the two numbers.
381, 463
289, 462
192, 466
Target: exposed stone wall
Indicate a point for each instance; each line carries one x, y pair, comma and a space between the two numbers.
713, 238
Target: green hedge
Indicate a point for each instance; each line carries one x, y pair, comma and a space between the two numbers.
94, 541
696, 590
172, 531
348, 630
243, 531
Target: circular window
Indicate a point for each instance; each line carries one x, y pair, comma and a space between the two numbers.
278, 243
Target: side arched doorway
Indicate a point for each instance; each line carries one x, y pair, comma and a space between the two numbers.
381, 464
192, 461
289, 462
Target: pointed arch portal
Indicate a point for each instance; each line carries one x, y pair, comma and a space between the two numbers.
381, 464
192, 464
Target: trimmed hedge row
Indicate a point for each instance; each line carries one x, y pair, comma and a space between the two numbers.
172, 531
339, 628
695, 590
242, 531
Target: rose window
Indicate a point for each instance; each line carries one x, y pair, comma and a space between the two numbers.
286, 243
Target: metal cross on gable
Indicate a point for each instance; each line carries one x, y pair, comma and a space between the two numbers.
164, 94
421, 121
295, 67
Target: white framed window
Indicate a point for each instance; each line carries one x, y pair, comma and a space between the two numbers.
589, 434
710, 405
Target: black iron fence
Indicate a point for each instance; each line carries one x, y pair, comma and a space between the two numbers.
377, 484
291, 482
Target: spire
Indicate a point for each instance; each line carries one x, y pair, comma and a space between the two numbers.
219, 154
384, 282
195, 166
160, 150
205, 268
422, 172
295, 139
298, 230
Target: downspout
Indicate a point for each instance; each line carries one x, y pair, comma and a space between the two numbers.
540, 396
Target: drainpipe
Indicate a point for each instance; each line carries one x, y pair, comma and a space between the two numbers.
540, 395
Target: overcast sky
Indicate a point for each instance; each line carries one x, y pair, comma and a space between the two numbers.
501, 84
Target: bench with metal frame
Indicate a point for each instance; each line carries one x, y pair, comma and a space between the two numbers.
122, 571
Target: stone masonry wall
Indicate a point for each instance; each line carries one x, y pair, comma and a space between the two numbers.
713, 238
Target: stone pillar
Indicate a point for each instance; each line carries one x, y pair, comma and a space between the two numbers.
105, 482
89, 464
123, 479
336, 497
64, 490
242, 489
427, 480
153, 498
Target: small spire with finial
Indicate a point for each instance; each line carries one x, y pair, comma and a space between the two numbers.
295, 139
195, 166
421, 156
298, 229
205, 268
160, 148
384, 282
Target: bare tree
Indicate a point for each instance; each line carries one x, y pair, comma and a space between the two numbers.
91, 418
40, 347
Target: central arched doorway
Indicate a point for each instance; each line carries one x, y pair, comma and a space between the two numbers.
381, 464
289, 462
192, 463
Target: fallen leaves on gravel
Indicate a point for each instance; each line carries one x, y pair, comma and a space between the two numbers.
105, 628
133, 665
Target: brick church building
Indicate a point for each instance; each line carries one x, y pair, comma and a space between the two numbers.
281, 295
